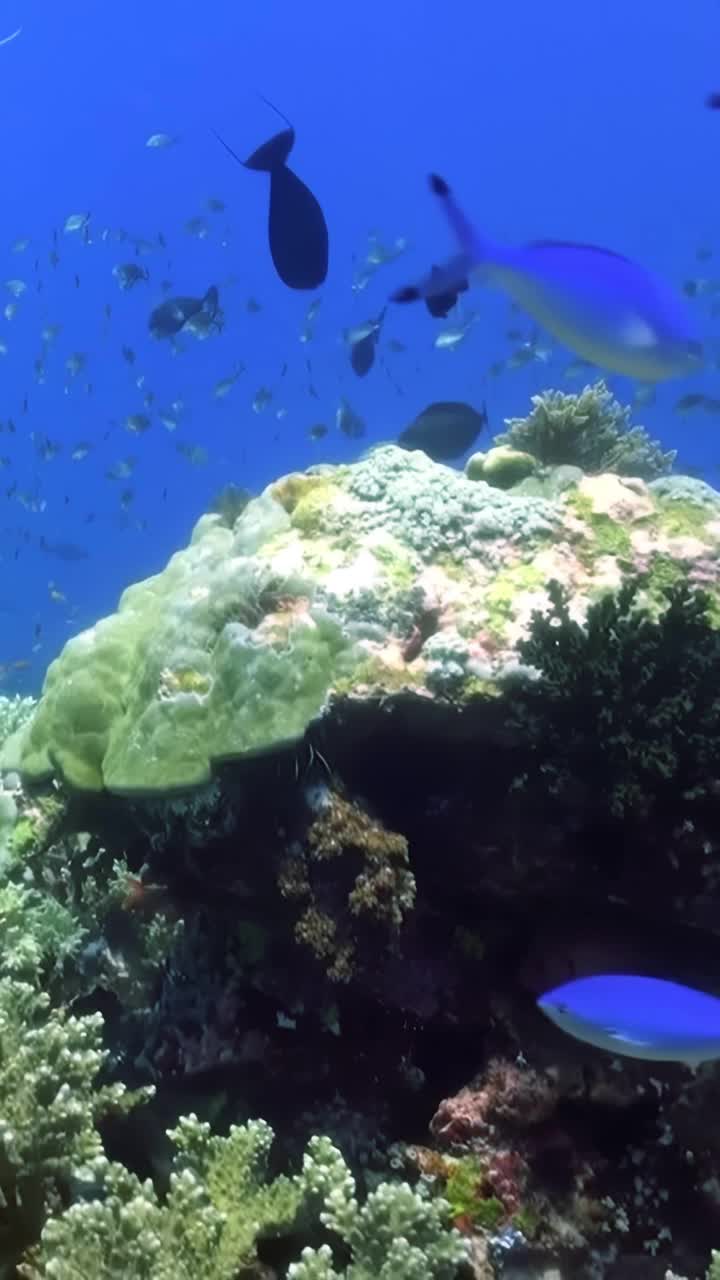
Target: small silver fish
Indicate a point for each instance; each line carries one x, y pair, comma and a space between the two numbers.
161, 141
262, 399
76, 222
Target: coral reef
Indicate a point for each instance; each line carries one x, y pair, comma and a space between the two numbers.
588, 430
450, 745
407, 577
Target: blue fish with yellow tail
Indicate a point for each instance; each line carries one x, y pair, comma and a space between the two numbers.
604, 307
637, 1017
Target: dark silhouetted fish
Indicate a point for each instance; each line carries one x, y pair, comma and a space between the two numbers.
363, 341
168, 319
441, 304
63, 550
445, 430
297, 229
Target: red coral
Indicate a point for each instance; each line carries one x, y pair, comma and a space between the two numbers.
507, 1093
507, 1177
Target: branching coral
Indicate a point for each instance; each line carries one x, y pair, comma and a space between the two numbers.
589, 430
220, 1203
397, 1234
352, 869
628, 699
49, 1102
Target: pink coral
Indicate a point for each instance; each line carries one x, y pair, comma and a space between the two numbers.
507, 1093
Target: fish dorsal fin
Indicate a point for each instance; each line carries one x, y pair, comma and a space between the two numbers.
576, 244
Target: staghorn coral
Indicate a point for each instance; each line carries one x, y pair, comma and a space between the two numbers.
591, 430
219, 1205
397, 1234
630, 699
49, 1103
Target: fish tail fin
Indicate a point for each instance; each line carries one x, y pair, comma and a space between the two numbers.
452, 275
211, 299
272, 154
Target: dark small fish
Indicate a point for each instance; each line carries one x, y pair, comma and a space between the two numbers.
445, 430
297, 228
170, 317
713, 101
441, 304
318, 431
348, 421
686, 403
63, 550
362, 349
129, 274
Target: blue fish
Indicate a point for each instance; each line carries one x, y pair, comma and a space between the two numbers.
648, 1018
605, 308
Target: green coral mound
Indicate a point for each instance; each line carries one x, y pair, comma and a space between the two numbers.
236, 646
590, 430
203, 662
631, 698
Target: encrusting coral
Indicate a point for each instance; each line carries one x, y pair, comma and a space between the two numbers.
590, 430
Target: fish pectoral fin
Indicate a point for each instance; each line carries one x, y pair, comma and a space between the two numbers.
613, 1033
637, 333
452, 275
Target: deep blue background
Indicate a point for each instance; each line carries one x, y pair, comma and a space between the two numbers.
579, 122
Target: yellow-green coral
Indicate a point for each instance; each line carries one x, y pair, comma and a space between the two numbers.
350, 860
397, 1234
500, 597
218, 1205
607, 537
49, 1102
467, 1196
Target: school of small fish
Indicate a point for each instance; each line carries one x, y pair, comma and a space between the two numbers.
609, 313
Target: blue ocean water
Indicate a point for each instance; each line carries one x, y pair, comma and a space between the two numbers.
576, 122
